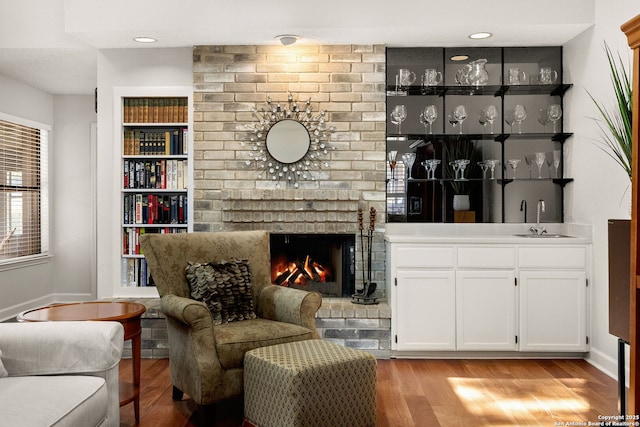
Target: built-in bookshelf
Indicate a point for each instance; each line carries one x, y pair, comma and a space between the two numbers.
155, 164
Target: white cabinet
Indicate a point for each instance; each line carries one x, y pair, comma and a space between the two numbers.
425, 310
486, 310
553, 310
465, 297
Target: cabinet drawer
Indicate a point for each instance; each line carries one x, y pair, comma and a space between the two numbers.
552, 257
424, 256
487, 257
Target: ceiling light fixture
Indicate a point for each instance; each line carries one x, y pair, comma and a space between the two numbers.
287, 39
459, 57
480, 35
145, 39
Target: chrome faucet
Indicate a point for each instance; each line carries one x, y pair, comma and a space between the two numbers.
538, 230
523, 208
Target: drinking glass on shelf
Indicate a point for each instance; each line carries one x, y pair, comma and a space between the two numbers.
407, 77
543, 118
519, 114
509, 119
491, 113
430, 114
554, 112
462, 165
456, 167
513, 163
408, 159
482, 119
528, 159
540, 160
399, 115
485, 167
460, 113
431, 165
492, 163
391, 157
549, 161
556, 161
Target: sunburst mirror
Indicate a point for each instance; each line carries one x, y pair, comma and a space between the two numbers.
289, 142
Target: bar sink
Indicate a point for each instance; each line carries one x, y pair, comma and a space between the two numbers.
545, 236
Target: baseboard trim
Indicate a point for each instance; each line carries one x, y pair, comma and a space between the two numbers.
10, 313
604, 362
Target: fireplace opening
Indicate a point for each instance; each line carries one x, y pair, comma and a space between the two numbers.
314, 262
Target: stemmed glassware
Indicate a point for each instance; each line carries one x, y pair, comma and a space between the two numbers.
399, 115
456, 168
490, 113
462, 165
431, 165
485, 167
428, 116
556, 161
459, 114
492, 163
528, 159
519, 114
540, 160
514, 165
509, 118
408, 159
554, 112
543, 118
391, 157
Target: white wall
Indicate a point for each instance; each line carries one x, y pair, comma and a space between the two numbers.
72, 204
125, 68
601, 189
25, 287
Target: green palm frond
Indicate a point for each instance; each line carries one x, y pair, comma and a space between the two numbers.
615, 121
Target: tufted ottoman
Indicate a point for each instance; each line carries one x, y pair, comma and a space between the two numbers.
309, 383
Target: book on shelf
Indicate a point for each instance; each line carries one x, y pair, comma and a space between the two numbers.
155, 142
152, 209
155, 110
166, 174
135, 273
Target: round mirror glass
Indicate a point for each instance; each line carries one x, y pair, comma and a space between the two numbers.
288, 141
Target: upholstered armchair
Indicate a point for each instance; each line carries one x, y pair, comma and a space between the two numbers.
206, 359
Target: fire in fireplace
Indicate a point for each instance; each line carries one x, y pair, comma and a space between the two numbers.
314, 262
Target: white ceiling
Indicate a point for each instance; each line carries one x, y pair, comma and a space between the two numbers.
52, 44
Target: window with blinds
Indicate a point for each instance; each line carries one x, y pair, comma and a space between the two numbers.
23, 191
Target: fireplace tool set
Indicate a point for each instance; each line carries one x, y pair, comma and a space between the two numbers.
363, 296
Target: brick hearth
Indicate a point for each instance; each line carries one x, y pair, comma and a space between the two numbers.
365, 327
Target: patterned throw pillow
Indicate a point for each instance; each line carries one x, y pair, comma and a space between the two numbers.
225, 288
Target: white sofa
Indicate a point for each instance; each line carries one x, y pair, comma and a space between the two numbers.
60, 373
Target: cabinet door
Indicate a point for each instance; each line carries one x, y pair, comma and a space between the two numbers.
486, 310
424, 312
553, 311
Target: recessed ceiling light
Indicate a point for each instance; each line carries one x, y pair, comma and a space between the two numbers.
145, 40
287, 39
459, 57
480, 35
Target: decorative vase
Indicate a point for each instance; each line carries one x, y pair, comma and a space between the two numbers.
461, 202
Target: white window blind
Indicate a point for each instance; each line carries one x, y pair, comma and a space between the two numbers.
23, 191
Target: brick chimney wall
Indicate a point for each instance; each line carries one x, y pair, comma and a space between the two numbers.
345, 80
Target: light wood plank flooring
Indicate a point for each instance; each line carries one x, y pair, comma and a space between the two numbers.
431, 393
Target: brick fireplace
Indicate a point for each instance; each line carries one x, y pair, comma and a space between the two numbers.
345, 80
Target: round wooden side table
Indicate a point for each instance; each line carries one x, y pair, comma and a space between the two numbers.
127, 313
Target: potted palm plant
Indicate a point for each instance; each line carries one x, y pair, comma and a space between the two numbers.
615, 121
462, 148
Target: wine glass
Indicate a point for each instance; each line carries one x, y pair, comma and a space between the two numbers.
430, 115
460, 113
519, 114
492, 163
399, 115
509, 118
482, 119
485, 167
528, 159
556, 161
456, 167
514, 165
391, 156
555, 112
491, 112
462, 165
540, 159
543, 118
549, 161
408, 159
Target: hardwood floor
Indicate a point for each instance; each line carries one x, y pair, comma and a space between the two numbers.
420, 393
